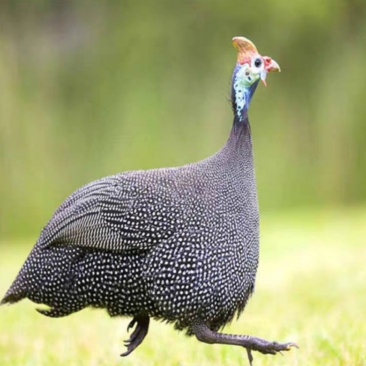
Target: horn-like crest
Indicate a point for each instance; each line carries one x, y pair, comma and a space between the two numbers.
245, 48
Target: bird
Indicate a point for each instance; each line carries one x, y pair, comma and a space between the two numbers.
175, 244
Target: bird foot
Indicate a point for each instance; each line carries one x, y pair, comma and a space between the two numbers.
266, 347
138, 334
250, 343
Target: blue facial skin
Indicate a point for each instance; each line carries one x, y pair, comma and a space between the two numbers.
244, 84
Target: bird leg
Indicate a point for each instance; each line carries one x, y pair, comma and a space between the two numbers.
138, 334
206, 335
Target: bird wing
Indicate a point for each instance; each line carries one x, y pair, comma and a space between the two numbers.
127, 212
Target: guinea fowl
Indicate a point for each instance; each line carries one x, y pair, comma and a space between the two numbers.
175, 244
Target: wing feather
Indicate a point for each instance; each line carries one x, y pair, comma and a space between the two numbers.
128, 212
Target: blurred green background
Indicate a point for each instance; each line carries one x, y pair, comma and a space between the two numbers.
91, 88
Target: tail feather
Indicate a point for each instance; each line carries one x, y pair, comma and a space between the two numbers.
23, 284
17, 291
11, 297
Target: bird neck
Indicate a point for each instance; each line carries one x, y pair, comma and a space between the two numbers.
237, 152
240, 139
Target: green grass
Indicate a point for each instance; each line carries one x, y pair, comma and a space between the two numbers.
310, 289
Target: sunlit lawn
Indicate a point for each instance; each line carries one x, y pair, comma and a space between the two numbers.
311, 289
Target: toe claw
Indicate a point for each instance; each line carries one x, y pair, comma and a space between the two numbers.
292, 344
124, 354
250, 356
131, 324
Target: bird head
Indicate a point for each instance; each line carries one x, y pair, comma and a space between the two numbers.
250, 68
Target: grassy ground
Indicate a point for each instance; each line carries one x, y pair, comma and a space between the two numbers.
310, 289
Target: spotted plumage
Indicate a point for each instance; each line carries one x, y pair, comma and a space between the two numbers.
177, 244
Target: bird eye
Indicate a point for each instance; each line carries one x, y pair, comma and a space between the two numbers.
258, 62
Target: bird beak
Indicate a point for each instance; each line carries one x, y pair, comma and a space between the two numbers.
269, 65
